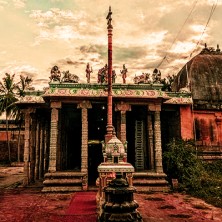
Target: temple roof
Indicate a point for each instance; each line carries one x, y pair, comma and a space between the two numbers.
202, 75
87, 91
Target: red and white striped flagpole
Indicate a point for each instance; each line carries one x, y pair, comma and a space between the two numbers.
109, 127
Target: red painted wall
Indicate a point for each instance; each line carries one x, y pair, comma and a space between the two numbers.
3, 136
186, 119
208, 126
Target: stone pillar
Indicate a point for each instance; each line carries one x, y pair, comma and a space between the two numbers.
156, 107
54, 135
46, 146
122, 107
33, 147
37, 149
150, 141
84, 105
27, 146
41, 150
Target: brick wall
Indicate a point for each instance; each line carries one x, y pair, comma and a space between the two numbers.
14, 151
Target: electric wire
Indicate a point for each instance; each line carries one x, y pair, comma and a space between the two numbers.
209, 18
176, 37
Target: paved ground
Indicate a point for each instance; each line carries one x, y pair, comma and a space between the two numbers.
19, 204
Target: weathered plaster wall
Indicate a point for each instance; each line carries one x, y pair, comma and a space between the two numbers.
208, 127
186, 119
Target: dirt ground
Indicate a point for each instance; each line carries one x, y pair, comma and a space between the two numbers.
18, 204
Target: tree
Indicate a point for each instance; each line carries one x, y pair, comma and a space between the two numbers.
167, 82
9, 94
21, 87
7, 100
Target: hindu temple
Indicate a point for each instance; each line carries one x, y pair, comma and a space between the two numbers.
66, 123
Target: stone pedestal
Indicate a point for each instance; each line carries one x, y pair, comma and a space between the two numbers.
107, 172
119, 204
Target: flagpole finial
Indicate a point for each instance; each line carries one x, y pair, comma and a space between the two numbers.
109, 19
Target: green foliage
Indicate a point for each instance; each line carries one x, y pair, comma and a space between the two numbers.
182, 163
9, 94
196, 177
167, 83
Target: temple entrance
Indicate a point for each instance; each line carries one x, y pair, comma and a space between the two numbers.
97, 120
95, 158
71, 138
137, 138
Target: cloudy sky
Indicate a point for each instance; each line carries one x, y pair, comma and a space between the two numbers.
36, 35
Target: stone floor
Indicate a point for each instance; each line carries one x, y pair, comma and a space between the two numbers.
19, 204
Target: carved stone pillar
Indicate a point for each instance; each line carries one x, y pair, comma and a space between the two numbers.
32, 146
27, 146
158, 145
157, 136
37, 149
84, 105
46, 145
150, 141
54, 135
122, 107
41, 149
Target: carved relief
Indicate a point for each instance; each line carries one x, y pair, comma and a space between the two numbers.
84, 104
122, 106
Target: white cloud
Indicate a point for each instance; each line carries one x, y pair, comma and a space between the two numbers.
19, 3
183, 47
153, 39
13, 67
197, 28
55, 16
64, 33
3, 4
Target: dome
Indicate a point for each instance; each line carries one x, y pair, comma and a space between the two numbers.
203, 76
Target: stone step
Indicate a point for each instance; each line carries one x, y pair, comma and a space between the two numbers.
144, 182
149, 175
63, 181
150, 182
141, 189
62, 189
64, 175
49, 182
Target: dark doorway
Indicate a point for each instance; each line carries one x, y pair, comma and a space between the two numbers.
136, 131
170, 125
71, 138
97, 120
94, 159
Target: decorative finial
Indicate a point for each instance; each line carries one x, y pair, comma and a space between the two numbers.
109, 19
